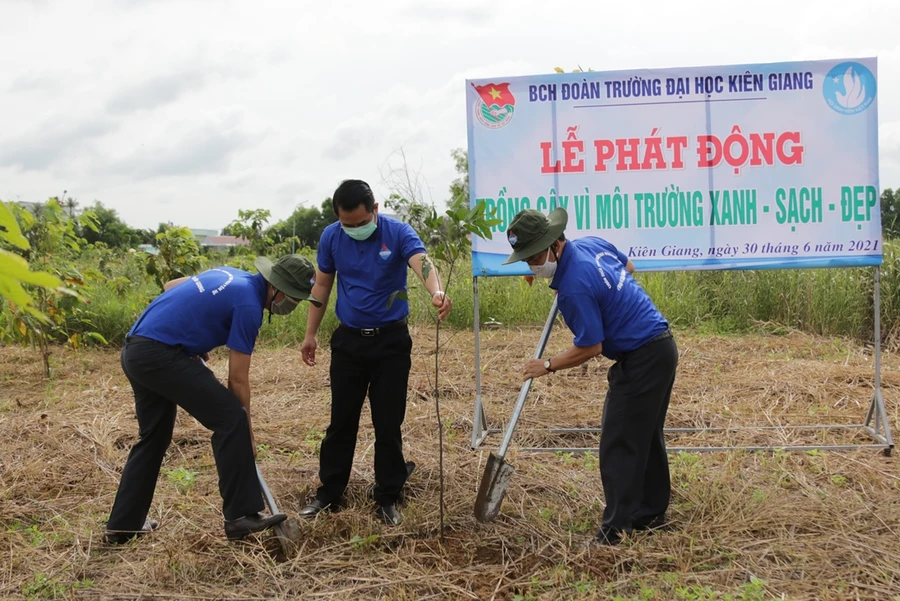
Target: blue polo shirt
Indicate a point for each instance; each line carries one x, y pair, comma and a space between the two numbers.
221, 306
369, 271
600, 301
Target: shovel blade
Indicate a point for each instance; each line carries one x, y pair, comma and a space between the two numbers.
494, 482
288, 533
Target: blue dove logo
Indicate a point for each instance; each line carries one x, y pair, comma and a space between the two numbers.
849, 88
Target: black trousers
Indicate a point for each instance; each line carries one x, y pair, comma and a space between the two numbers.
634, 466
377, 365
164, 378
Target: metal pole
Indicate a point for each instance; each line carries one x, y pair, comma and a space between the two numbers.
523, 394
877, 328
880, 430
749, 449
478, 419
879, 396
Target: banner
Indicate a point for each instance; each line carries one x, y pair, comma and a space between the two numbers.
734, 167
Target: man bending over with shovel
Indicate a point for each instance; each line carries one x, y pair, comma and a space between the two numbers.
609, 314
222, 306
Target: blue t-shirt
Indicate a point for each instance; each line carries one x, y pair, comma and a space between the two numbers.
600, 301
369, 271
221, 306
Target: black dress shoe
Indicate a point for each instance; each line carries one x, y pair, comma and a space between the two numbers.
608, 537
118, 537
410, 468
389, 515
314, 508
657, 522
241, 527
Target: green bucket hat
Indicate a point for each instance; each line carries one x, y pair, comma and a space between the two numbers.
292, 274
531, 232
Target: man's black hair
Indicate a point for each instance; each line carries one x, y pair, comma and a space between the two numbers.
352, 193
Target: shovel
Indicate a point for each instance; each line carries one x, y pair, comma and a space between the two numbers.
496, 471
288, 531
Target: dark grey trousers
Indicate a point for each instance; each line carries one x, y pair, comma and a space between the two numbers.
377, 366
164, 378
634, 466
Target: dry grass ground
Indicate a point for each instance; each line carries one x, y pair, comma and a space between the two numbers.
806, 525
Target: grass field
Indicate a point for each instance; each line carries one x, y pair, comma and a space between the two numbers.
804, 525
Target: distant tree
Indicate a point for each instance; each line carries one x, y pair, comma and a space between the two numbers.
459, 188
178, 256
111, 230
251, 225
71, 205
305, 225
148, 236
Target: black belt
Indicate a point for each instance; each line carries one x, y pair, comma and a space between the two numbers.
140, 339
661, 336
129, 339
376, 331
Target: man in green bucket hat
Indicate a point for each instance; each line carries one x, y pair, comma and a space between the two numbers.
610, 314
219, 307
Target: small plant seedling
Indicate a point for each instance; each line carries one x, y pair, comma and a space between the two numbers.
182, 478
359, 542
455, 226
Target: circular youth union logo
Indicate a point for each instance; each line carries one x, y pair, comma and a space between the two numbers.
849, 88
495, 105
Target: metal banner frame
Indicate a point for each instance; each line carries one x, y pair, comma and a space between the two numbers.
876, 424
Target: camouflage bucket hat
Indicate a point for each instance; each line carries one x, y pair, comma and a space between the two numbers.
531, 232
294, 275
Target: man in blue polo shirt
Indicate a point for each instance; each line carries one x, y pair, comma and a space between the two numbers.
610, 314
371, 349
219, 307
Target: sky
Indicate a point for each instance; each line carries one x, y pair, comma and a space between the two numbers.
189, 110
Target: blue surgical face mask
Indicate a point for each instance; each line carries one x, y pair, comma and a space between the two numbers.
362, 232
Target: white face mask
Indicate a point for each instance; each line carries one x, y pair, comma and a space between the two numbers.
546, 270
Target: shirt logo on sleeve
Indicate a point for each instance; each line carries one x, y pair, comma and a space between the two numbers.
385, 252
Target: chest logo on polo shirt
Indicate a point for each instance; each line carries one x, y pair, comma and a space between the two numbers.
385, 252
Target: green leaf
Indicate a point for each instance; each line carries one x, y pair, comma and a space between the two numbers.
15, 267
69, 291
14, 271
13, 234
97, 336
402, 295
89, 220
426, 267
